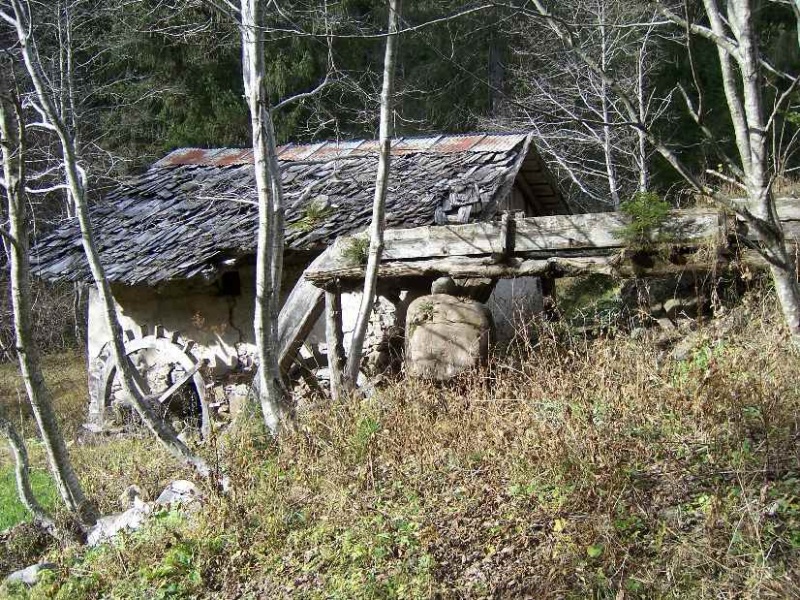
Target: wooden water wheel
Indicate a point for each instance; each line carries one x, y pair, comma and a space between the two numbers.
168, 372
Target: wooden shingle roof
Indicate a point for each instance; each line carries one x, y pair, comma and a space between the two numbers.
195, 208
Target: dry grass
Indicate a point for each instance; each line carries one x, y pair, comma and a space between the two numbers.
65, 374
572, 469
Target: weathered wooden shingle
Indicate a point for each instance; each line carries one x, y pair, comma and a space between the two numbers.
195, 208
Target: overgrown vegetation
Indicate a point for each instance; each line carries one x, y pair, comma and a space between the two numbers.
356, 250
591, 301
53, 311
647, 212
572, 468
106, 464
314, 215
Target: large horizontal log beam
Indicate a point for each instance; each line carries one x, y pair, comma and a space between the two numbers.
548, 234
557, 246
557, 266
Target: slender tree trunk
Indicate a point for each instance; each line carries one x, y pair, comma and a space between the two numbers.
641, 96
379, 202
13, 154
269, 250
608, 152
76, 187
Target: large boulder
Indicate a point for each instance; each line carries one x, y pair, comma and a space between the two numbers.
446, 336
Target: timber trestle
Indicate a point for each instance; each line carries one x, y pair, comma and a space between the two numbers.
693, 240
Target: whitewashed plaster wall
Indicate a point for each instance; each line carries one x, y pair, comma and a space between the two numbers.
221, 325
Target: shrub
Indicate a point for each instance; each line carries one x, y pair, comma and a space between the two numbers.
647, 212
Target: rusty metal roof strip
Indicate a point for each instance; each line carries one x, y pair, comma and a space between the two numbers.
497, 143
441, 144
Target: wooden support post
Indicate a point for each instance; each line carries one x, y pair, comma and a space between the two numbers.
334, 337
549, 297
301, 310
506, 236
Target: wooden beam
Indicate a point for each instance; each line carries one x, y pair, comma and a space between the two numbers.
163, 397
540, 245
549, 233
557, 266
788, 208
791, 231
167, 394
507, 232
303, 308
335, 341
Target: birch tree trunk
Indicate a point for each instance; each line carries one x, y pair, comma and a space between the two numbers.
750, 125
641, 97
12, 141
378, 224
269, 250
20, 20
608, 152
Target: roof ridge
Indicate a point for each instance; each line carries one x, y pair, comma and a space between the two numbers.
315, 151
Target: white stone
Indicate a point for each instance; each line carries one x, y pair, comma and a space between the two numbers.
179, 491
131, 519
30, 575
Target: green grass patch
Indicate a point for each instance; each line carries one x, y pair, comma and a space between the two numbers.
11, 509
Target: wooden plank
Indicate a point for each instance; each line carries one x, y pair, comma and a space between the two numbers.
791, 231
302, 308
603, 230
788, 208
167, 394
472, 267
507, 230
550, 233
335, 340
205, 425
541, 246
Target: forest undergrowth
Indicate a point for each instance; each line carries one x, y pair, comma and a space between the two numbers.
569, 468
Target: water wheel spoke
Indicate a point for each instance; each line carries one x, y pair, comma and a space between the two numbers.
164, 396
